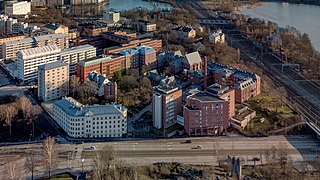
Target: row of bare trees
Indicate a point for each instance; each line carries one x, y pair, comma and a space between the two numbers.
35, 162
21, 112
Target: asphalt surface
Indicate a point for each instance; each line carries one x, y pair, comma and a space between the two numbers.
145, 152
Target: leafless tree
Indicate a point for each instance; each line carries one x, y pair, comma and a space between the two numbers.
74, 84
102, 162
10, 112
50, 154
31, 164
25, 105
13, 171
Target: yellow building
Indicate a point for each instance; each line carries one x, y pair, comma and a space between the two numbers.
56, 28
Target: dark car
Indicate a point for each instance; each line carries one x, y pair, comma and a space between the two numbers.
186, 142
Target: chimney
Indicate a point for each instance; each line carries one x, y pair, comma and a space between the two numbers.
205, 64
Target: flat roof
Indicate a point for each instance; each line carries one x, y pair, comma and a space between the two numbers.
53, 65
204, 96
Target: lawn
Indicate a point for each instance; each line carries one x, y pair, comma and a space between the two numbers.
270, 109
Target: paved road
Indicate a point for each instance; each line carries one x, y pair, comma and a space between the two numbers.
151, 151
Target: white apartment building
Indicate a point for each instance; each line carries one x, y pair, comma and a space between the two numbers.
30, 59
9, 49
111, 16
53, 80
96, 121
75, 54
19, 8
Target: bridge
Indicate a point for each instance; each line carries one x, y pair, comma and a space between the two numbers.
214, 21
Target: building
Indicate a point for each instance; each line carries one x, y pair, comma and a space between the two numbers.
245, 84
19, 8
139, 56
56, 28
209, 112
9, 49
9, 38
92, 29
75, 54
184, 32
104, 87
53, 81
153, 43
104, 65
242, 117
10, 26
166, 103
120, 38
30, 59
217, 37
84, 121
144, 26
193, 61
111, 16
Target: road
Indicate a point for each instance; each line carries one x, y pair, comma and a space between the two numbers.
150, 151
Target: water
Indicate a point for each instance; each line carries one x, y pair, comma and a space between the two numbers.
120, 5
305, 18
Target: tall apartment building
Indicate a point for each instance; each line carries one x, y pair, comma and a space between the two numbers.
106, 65
75, 54
19, 8
9, 49
111, 16
166, 103
30, 59
8, 38
53, 81
209, 112
84, 121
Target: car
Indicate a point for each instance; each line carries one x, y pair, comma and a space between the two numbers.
197, 147
188, 141
92, 148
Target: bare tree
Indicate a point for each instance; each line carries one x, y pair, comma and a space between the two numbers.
13, 171
10, 112
31, 164
25, 105
74, 84
50, 154
102, 162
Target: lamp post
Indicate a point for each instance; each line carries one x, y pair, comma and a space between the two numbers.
82, 165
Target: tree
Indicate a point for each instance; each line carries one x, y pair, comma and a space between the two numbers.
74, 84
102, 162
25, 105
13, 171
10, 113
50, 154
31, 164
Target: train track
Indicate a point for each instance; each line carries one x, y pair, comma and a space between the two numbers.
303, 95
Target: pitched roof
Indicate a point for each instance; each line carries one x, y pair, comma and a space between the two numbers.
193, 58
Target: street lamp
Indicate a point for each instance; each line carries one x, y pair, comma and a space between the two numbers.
82, 164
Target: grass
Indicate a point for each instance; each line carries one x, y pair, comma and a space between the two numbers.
268, 107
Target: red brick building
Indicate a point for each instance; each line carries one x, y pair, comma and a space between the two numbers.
209, 112
90, 29
106, 66
245, 84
